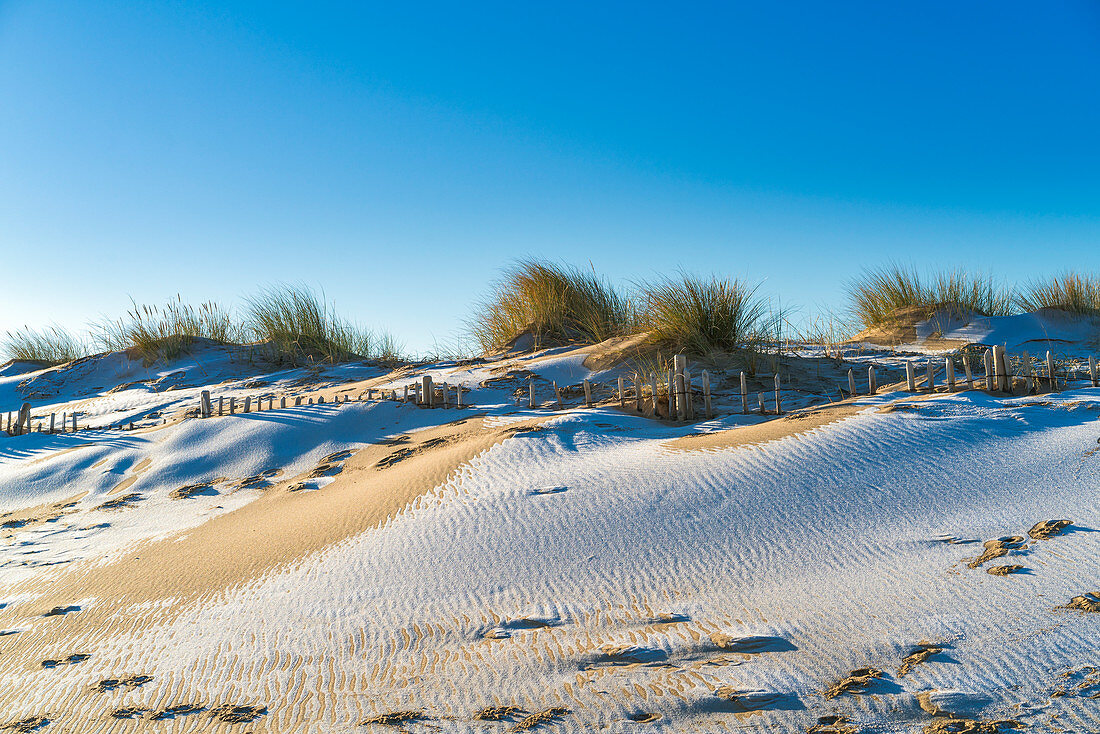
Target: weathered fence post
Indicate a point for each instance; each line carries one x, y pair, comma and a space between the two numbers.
1050, 372
530, 392
247, 403
679, 363
638, 392
622, 397
204, 403
282, 401
74, 422
587, 393
931, 376
706, 394
760, 401
1025, 359
1092, 371
778, 409
969, 374
232, 405
64, 421
557, 395
872, 381
851, 382
427, 391
672, 394
221, 405
52, 417
910, 378
1000, 368
987, 360
744, 394
458, 395
24, 424
689, 397
653, 394
949, 368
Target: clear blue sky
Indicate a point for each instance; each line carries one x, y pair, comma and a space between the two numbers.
398, 154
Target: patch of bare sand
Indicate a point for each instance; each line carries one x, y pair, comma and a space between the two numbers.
278, 528
793, 424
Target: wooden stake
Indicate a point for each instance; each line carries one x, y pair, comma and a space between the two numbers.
653, 394
248, 404
428, 394
232, 405
744, 394
458, 396
969, 375
221, 405
1025, 360
706, 394
872, 381
760, 400
204, 404
622, 396
679, 366
688, 396
446, 397
74, 423
987, 358
851, 382
931, 376
53, 416
1050, 372
910, 378
638, 393
1092, 371
949, 368
587, 394
671, 384
282, 402
557, 395
778, 409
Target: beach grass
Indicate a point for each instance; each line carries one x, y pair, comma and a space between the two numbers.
704, 315
1069, 291
53, 345
882, 295
555, 303
165, 331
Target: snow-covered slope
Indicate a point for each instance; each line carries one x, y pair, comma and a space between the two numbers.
590, 568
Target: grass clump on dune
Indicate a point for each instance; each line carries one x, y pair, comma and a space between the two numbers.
53, 345
883, 295
555, 303
297, 326
166, 331
1073, 292
704, 315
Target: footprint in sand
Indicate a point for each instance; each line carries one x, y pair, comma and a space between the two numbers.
921, 652
62, 611
505, 629
27, 725
231, 713
751, 644
859, 681
110, 684
191, 490
1088, 602
547, 490
120, 503
172, 712
71, 660
746, 701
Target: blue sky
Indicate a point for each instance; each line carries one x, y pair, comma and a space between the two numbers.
398, 155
